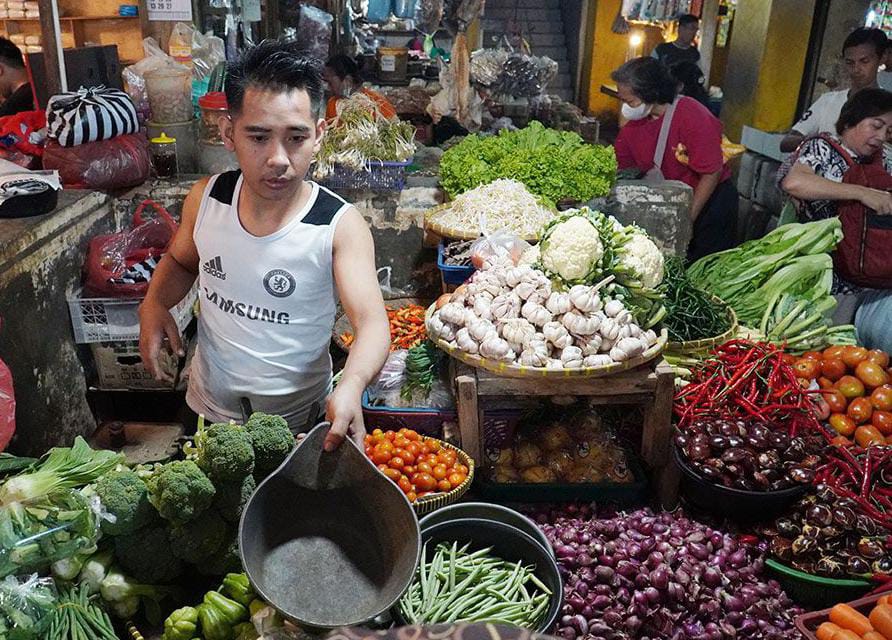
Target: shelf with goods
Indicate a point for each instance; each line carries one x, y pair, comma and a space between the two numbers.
102, 26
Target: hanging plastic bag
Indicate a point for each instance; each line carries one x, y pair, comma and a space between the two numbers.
391, 377
498, 245
314, 32
179, 45
134, 75
109, 256
7, 406
25, 605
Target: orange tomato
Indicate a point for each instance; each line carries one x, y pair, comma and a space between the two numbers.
853, 356
433, 445
424, 482
827, 630
423, 467
393, 474
412, 496
789, 359
825, 383
413, 436
812, 355
871, 374
840, 441
377, 432
860, 410
404, 454
390, 435
833, 369
404, 483
833, 352
449, 457
882, 420
444, 485
843, 424
414, 448
400, 442
868, 435
850, 619
807, 369
851, 387
881, 619
460, 468
380, 457
835, 400
455, 479
397, 463
881, 397
439, 471
878, 356
409, 470
885, 599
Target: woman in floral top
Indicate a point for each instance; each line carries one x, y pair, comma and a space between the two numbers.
813, 175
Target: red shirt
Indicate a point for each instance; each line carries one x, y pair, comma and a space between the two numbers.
693, 126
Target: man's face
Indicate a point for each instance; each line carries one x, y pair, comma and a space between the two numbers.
862, 63
274, 136
687, 33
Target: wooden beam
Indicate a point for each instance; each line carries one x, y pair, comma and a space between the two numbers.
51, 37
709, 24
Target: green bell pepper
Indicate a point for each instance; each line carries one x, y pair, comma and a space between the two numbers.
181, 624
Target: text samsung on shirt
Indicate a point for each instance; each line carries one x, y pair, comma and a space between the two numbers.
214, 267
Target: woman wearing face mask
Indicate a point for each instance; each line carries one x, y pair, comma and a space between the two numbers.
676, 138
341, 74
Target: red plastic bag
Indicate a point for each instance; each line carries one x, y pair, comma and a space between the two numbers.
108, 165
109, 256
7, 406
22, 132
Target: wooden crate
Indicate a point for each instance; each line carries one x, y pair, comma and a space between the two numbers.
650, 386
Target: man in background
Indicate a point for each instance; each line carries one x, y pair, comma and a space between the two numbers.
15, 89
863, 52
681, 49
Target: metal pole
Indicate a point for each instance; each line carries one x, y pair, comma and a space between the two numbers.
53, 55
708, 28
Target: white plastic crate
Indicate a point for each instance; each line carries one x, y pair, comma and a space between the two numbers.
115, 319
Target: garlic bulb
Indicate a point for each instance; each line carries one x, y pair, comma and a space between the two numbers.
447, 332
435, 324
554, 363
585, 298
571, 357
526, 290
533, 358
489, 282
626, 349
613, 308
539, 345
650, 337
580, 325
535, 313
589, 344
625, 331
597, 360
609, 330
505, 306
483, 307
453, 313
518, 331
557, 334
495, 348
515, 275
465, 342
606, 345
558, 303
481, 328
634, 330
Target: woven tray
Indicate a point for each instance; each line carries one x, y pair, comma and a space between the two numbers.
342, 323
431, 503
704, 345
453, 232
519, 371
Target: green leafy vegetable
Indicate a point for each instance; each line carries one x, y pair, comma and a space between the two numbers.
552, 164
692, 314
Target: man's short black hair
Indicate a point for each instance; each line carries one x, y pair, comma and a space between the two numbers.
10, 54
867, 103
649, 79
687, 18
275, 65
867, 35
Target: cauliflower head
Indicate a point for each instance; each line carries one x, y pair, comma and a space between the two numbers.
642, 257
571, 247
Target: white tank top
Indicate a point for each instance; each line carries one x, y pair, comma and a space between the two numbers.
267, 307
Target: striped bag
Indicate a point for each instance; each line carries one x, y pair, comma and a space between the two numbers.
90, 115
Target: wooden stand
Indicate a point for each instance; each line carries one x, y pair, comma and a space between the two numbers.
650, 386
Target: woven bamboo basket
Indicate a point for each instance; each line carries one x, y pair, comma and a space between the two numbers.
454, 232
698, 348
510, 370
427, 504
342, 323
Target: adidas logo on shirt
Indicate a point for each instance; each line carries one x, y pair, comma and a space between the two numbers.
214, 267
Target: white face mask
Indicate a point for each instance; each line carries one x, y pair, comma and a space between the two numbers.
636, 113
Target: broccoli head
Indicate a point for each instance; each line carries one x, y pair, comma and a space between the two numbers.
125, 496
180, 491
232, 496
199, 539
146, 555
227, 560
225, 452
272, 441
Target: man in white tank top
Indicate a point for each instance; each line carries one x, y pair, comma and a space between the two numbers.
272, 253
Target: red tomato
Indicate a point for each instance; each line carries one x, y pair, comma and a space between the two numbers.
409, 470
833, 369
423, 467
871, 374
380, 456
789, 359
393, 474
439, 471
414, 448
400, 442
433, 445
867, 435
460, 468
835, 400
405, 454
860, 410
390, 435
850, 386
853, 356
882, 397
405, 484
825, 383
424, 482
455, 479
444, 485
412, 496
882, 420
413, 436
879, 357
812, 355
396, 463
833, 352
842, 424
807, 369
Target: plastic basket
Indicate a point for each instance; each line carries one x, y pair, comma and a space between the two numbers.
382, 176
427, 422
815, 591
452, 274
117, 319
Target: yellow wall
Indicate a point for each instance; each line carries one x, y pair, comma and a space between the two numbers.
765, 64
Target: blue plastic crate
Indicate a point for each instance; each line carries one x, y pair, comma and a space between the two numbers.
381, 176
451, 273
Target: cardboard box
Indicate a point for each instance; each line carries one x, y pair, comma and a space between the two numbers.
119, 366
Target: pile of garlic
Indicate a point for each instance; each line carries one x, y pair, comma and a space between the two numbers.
510, 313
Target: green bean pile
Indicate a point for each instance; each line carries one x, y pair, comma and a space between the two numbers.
77, 617
692, 314
460, 586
